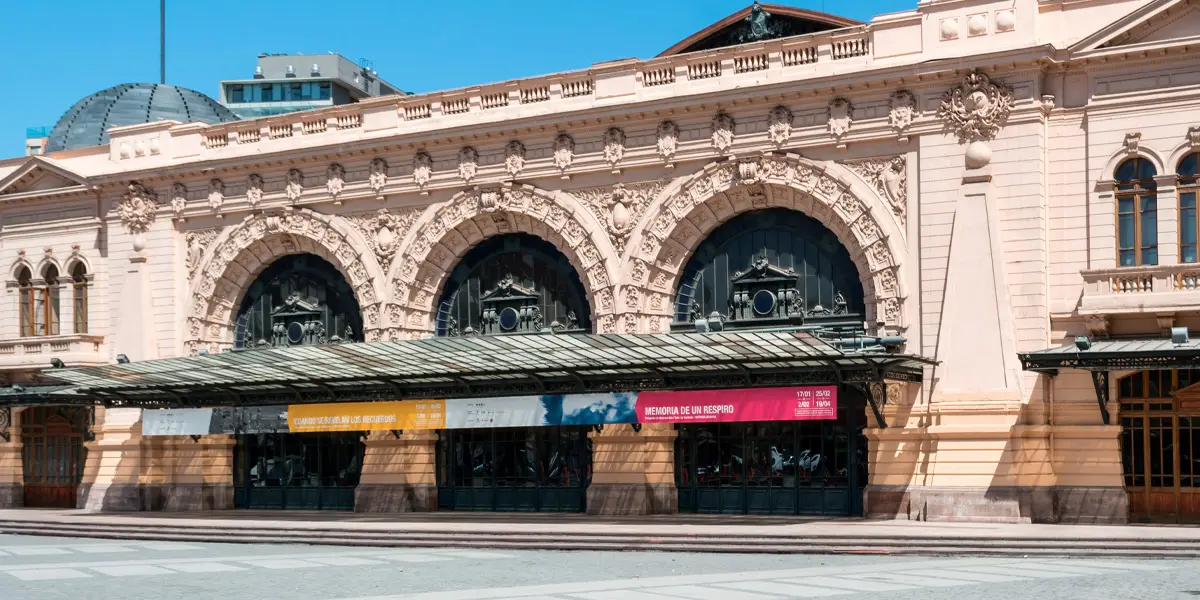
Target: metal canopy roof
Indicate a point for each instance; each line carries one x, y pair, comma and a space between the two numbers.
487, 366
1107, 355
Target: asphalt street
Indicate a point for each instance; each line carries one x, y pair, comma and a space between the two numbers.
44, 568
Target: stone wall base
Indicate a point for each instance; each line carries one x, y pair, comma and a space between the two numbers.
155, 497
395, 498
12, 495
1080, 505
632, 499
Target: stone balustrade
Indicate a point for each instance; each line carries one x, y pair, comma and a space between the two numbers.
1141, 289
631, 80
75, 350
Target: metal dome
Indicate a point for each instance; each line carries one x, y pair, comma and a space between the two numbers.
88, 121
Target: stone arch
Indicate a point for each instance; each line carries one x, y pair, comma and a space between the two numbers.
1178, 154
443, 234
240, 253
1108, 174
679, 220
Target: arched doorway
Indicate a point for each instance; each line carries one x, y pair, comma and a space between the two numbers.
300, 299
508, 285
52, 455
765, 269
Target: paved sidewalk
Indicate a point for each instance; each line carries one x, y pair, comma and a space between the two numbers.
716, 526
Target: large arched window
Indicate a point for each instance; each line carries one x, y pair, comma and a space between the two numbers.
48, 301
1189, 183
769, 268
79, 296
1137, 213
513, 283
25, 301
300, 299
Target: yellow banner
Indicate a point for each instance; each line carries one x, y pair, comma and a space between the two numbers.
367, 416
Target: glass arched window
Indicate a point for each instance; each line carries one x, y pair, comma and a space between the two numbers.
80, 297
48, 302
1189, 183
25, 301
1137, 213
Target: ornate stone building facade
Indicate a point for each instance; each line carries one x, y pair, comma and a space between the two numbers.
968, 159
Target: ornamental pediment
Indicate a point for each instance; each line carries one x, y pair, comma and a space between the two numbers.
40, 174
1158, 21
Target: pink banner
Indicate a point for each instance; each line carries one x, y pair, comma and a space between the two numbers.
730, 406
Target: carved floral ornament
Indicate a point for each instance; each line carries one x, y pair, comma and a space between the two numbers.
295, 185
668, 140
384, 230
514, 157
564, 152
614, 146
841, 117
335, 180
178, 199
976, 109
902, 113
889, 177
664, 240
779, 125
378, 176
254, 190
468, 163
216, 285
620, 207
422, 168
722, 131
137, 208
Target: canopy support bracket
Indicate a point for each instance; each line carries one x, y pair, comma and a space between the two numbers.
1100, 382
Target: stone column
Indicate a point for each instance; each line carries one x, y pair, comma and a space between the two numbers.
633, 473
11, 474
113, 467
398, 474
181, 473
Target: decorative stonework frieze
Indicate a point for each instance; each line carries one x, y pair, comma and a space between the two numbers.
841, 117
779, 127
335, 181
1132, 142
564, 153
216, 195
254, 190
468, 163
619, 207
197, 242
422, 169
295, 185
903, 112
722, 132
889, 177
514, 157
1193, 137
137, 208
976, 109
668, 140
178, 200
378, 176
384, 230
614, 146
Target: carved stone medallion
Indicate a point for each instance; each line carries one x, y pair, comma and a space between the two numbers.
976, 109
779, 127
216, 194
841, 117
614, 146
254, 190
384, 230
468, 163
514, 157
422, 169
903, 111
137, 208
564, 152
295, 185
668, 140
722, 131
620, 207
378, 176
178, 199
335, 180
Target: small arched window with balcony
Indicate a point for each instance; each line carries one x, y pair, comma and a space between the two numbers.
1137, 213
79, 293
48, 305
25, 301
1189, 184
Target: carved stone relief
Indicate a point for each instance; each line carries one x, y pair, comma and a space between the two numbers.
614, 146
335, 181
514, 157
976, 109
137, 208
889, 177
779, 128
620, 207
468, 163
422, 169
197, 242
722, 131
384, 230
295, 185
216, 194
178, 199
668, 140
254, 190
903, 112
378, 176
841, 117
564, 152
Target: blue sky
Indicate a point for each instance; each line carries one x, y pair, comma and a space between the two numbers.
63, 50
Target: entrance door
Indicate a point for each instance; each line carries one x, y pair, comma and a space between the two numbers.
1160, 444
518, 469
304, 471
52, 455
777, 467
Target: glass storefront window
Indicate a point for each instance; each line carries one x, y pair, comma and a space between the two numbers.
523, 468
270, 464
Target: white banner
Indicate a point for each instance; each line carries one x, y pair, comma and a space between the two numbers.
179, 421
518, 411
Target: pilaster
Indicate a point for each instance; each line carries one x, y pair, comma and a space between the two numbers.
112, 469
11, 473
633, 473
398, 473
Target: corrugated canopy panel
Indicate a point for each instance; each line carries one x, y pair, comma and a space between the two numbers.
1105, 355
